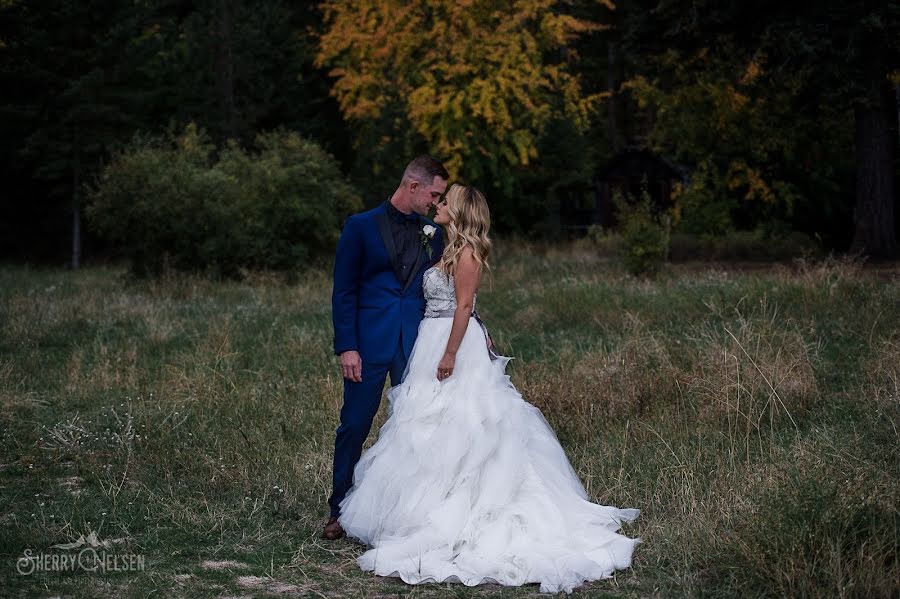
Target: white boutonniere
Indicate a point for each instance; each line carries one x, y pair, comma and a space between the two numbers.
427, 233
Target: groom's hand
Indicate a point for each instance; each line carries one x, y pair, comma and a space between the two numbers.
351, 366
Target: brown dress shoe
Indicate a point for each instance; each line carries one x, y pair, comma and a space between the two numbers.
333, 530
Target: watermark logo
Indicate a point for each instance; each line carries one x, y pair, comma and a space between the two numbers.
88, 554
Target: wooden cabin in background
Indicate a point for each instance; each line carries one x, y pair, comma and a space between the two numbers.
584, 206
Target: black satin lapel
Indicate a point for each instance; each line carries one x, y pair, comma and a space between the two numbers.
384, 227
420, 258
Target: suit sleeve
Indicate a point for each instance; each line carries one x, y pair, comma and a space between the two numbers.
345, 293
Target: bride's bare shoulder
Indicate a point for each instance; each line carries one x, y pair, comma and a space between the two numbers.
468, 271
467, 258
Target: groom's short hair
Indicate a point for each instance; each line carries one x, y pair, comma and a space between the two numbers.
424, 169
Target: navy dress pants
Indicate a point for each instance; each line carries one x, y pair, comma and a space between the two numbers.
361, 401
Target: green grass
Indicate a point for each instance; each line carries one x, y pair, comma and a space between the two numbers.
751, 414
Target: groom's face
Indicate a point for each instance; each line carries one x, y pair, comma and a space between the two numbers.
425, 196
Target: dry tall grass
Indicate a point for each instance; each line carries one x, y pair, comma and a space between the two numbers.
752, 416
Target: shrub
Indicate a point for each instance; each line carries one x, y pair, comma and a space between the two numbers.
605, 242
645, 240
171, 202
704, 207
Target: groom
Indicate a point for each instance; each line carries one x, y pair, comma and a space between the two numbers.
377, 304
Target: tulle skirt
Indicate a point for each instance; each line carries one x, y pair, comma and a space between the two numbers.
468, 483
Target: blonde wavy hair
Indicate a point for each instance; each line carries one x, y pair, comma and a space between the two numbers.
470, 221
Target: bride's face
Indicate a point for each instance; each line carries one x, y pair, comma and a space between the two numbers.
442, 214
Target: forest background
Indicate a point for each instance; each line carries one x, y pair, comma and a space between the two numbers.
751, 411
267, 123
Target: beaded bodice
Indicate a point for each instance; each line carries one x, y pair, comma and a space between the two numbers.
440, 293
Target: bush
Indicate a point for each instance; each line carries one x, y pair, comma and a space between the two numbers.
605, 242
645, 240
173, 203
704, 207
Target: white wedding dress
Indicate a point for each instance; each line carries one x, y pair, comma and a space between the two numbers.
468, 483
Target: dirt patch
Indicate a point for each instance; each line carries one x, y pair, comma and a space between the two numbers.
272, 587
72, 484
227, 564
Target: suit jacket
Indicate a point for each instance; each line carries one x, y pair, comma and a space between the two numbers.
371, 308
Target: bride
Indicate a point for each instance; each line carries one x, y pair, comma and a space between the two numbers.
467, 482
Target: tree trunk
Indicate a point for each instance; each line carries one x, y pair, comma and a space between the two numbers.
897, 98
76, 206
874, 214
76, 234
611, 129
225, 68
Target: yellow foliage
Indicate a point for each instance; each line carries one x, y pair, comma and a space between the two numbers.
740, 174
753, 70
736, 99
677, 192
643, 91
470, 76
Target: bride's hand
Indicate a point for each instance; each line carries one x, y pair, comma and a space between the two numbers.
445, 366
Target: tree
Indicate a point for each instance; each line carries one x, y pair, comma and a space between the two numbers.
749, 144
476, 83
66, 99
833, 57
235, 67
80, 78
876, 136
848, 50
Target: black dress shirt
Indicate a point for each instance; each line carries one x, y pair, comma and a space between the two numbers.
405, 231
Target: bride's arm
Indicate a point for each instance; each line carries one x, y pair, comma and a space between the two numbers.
466, 280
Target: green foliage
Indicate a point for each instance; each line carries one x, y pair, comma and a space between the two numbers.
737, 130
80, 77
254, 73
477, 84
645, 234
172, 203
766, 98
66, 103
704, 207
758, 103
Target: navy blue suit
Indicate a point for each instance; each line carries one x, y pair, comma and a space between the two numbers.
376, 314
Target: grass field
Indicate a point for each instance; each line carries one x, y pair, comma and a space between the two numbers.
751, 414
